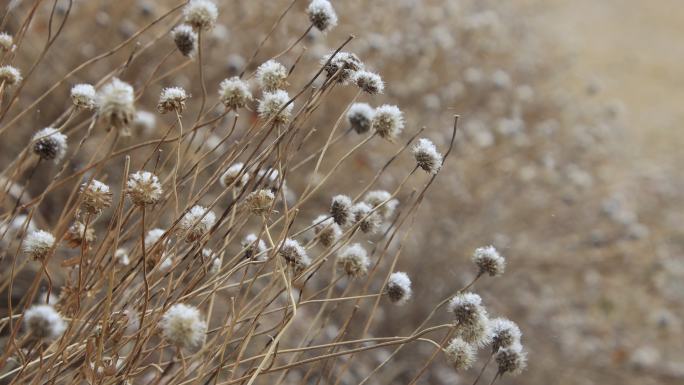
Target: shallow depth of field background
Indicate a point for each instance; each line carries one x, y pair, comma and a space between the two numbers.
579, 185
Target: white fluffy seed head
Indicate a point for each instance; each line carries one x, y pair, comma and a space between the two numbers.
6, 41
505, 333
295, 255
255, 248
182, 326
96, 197
341, 210
172, 99
232, 174
143, 188
353, 260
398, 288
489, 261
326, 230
196, 223
49, 144
201, 14
467, 308
271, 76
477, 333
259, 202
186, 39
388, 122
511, 360
271, 107
343, 65
10, 75
121, 257
145, 122
460, 354
369, 82
368, 220
360, 116
383, 201
116, 104
44, 322
234, 93
152, 237
38, 244
427, 156
78, 235
84, 96
322, 15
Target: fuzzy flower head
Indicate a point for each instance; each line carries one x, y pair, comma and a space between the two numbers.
49, 144
232, 175
259, 202
143, 188
398, 288
186, 39
121, 257
427, 156
511, 360
84, 96
505, 333
96, 197
274, 106
115, 102
322, 15
382, 201
234, 93
341, 210
326, 230
6, 41
78, 235
255, 248
201, 14
353, 260
295, 255
343, 65
388, 122
370, 82
489, 261
38, 244
477, 333
360, 116
460, 354
172, 99
368, 220
182, 326
271, 76
196, 223
467, 308
44, 322
10, 75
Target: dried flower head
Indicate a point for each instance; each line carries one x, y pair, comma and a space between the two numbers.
254, 247
201, 14
49, 144
10, 75
477, 333
368, 220
182, 326
144, 122
196, 223
232, 174
295, 255
186, 39
382, 201
274, 105
84, 96
6, 41
115, 102
398, 288
172, 99
388, 122
489, 261
360, 116
78, 235
44, 322
353, 260
38, 244
460, 354
343, 65
322, 15
121, 257
143, 188
326, 230
467, 308
511, 360
369, 82
271, 76
260, 201
234, 93
341, 210
505, 333
96, 197
427, 156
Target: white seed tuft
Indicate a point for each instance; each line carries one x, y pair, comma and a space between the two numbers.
84, 96
388, 122
234, 93
360, 116
353, 260
489, 261
322, 15
427, 156
44, 322
182, 326
38, 244
115, 102
143, 188
399, 288
49, 144
271, 76
273, 106
10, 75
460, 354
369, 82
201, 14
196, 223
172, 99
